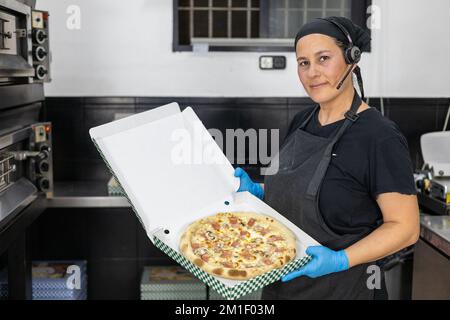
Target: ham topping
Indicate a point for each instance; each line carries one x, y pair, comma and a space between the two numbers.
273, 238
233, 220
235, 243
225, 254
215, 226
205, 257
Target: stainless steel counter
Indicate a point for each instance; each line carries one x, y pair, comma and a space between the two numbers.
431, 271
436, 231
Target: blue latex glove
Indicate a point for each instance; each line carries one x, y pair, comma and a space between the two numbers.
247, 184
324, 261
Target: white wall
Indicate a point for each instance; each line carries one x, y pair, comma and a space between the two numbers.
124, 48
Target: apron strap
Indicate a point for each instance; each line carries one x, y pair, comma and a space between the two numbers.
301, 126
304, 123
351, 116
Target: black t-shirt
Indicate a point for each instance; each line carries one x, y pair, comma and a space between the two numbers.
370, 158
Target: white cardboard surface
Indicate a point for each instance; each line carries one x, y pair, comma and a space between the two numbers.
169, 195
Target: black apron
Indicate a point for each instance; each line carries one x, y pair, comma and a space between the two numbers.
294, 192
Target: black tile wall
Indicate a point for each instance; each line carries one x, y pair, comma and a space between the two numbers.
416, 117
441, 112
114, 231
19, 116
77, 159
425, 115
113, 279
60, 234
67, 117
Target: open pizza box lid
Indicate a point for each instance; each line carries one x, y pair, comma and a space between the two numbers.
173, 173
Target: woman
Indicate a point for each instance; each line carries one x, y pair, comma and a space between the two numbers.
345, 176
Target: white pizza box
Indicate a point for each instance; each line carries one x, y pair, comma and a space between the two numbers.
168, 188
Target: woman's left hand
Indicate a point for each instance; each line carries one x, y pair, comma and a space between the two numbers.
324, 261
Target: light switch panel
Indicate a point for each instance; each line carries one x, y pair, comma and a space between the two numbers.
272, 62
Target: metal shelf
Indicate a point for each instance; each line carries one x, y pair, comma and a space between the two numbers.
84, 194
88, 202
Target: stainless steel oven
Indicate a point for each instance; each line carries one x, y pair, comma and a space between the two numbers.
24, 44
26, 168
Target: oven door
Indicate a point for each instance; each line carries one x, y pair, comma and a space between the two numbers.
15, 43
15, 199
25, 170
21, 205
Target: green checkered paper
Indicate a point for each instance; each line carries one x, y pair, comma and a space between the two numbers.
239, 290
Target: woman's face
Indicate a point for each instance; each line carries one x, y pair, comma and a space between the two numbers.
320, 66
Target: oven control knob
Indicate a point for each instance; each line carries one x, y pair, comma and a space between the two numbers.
43, 154
39, 53
39, 36
45, 148
44, 166
41, 71
44, 184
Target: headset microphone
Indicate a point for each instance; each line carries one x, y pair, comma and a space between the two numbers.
345, 77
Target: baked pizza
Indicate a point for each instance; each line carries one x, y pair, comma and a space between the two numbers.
238, 245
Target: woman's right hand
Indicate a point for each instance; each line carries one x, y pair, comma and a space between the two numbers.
247, 184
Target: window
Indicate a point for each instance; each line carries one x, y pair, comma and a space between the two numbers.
218, 19
287, 16
234, 25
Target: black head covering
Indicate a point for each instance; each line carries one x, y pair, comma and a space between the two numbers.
360, 37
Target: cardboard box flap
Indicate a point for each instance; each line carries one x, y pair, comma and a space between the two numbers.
167, 163
134, 121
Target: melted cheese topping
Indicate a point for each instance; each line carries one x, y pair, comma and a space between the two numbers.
219, 242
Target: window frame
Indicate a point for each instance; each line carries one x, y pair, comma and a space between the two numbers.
358, 14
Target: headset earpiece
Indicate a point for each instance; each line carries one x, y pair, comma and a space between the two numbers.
352, 54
